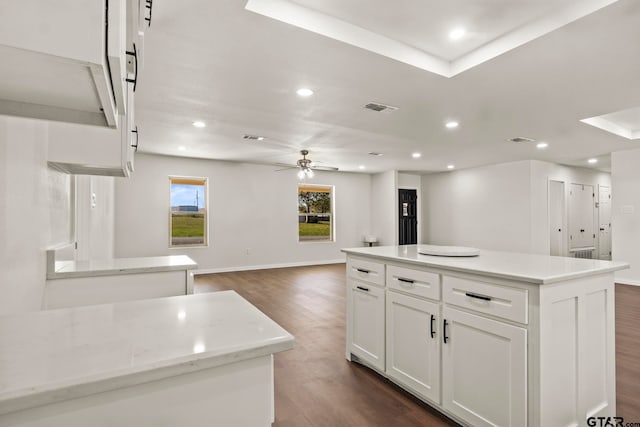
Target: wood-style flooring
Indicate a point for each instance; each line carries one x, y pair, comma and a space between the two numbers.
316, 386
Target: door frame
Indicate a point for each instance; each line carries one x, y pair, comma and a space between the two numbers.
565, 235
418, 212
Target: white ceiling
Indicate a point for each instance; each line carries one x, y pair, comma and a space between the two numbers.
238, 71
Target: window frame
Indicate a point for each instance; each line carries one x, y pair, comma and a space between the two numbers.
332, 229
205, 180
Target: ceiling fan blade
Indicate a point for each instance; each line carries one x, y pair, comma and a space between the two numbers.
324, 168
285, 167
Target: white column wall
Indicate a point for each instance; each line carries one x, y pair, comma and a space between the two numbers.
252, 208
625, 213
486, 207
384, 207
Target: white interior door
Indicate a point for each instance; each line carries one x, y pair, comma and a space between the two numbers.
604, 222
556, 218
581, 206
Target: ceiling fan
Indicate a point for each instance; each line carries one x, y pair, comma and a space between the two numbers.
306, 166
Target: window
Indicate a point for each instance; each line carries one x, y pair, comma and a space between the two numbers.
315, 213
188, 216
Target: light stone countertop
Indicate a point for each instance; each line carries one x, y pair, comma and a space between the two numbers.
532, 268
114, 266
56, 355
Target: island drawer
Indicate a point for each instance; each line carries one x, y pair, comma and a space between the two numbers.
369, 271
414, 282
496, 300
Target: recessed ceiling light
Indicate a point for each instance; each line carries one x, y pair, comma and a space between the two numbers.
416, 155
199, 124
592, 161
451, 166
373, 153
542, 145
182, 148
304, 92
457, 33
361, 167
452, 124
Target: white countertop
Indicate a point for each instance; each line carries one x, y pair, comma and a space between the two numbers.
532, 268
56, 355
108, 267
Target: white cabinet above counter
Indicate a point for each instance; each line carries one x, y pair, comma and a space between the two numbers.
64, 60
500, 339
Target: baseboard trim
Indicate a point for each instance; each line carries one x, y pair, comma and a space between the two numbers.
627, 282
266, 266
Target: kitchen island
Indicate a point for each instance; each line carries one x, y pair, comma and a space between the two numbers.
193, 360
499, 339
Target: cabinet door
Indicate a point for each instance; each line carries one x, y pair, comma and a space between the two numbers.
413, 344
484, 375
367, 323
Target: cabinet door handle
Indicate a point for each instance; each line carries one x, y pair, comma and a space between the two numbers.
445, 338
433, 319
148, 5
137, 135
362, 288
482, 297
362, 270
134, 80
400, 279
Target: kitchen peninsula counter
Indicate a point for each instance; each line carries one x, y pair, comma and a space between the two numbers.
184, 360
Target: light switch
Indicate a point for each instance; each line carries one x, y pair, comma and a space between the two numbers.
93, 200
628, 209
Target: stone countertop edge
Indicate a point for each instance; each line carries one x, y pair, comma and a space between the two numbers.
118, 266
79, 387
436, 262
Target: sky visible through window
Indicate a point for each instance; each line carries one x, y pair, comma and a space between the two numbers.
187, 195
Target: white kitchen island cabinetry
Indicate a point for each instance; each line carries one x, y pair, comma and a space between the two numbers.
194, 360
366, 301
502, 339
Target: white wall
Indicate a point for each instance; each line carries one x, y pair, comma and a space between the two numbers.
384, 207
486, 207
625, 213
250, 207
502, 207
95, 217
34, 212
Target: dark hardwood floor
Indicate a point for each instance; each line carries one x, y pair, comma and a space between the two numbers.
628, 352
316, 386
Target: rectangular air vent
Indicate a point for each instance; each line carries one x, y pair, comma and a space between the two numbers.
253, 137
376, 106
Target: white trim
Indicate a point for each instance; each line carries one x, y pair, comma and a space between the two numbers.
267, 266
621, 281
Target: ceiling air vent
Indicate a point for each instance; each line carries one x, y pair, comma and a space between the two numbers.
253, 137
376, 106
521, 140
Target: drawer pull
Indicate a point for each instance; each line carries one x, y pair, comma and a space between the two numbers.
400, 279
362, 270
362, 288
433, 319
445, 338
482, 297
